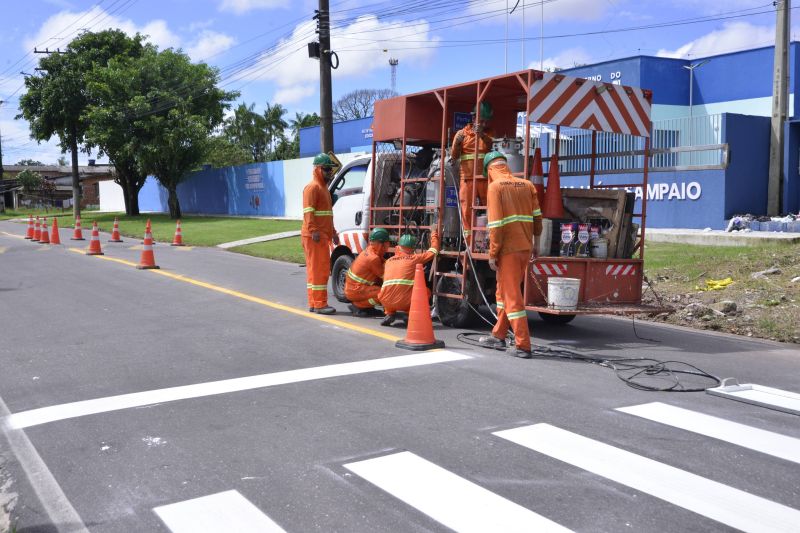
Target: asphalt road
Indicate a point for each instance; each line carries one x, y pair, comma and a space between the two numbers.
210, 381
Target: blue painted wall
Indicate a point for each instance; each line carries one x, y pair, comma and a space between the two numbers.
747, 173
791, 169
347, 135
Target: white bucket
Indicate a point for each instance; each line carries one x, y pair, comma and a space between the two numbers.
562, 293
599, 248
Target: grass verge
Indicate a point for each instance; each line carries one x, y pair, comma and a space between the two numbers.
282, 250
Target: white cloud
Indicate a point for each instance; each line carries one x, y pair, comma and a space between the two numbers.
571, 57
292, 95
359, 46
561, 10
734, 36
209, 43
243, 6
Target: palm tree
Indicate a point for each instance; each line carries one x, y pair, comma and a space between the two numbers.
274, 124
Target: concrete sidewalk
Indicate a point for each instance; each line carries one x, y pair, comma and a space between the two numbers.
720, 237
262, 238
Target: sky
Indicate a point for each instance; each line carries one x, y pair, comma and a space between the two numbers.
259, 46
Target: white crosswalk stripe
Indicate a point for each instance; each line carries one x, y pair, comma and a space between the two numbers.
224, 511
714, 500
756, 439
447, 498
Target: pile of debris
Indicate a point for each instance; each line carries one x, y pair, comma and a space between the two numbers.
788, 223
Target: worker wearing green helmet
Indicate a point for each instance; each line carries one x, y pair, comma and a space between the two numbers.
364, 277
398, 277
318, 232
470, 145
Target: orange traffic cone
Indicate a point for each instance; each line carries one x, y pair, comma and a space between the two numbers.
419, 335
94, 243
37, 232
29, 234
45, 237
148, 260
55, 238
115, 232
178, 240
537, 175
77, 235
553, 205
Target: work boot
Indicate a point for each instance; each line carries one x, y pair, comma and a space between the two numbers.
517, 352
358, 312
388, 320
310, 309
490, 341
327, 310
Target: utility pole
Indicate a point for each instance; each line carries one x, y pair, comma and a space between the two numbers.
325, 96
393, 61
780, 101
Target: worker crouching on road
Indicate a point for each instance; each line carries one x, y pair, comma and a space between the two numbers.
463, 151
317, 234
398, 275
514, 220
363, 282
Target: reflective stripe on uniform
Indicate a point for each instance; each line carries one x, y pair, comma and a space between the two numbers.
324, 213
433, 251
316, 287
388, 282
373, 301
537, 212
469, 157
510, 219
501, 305
516, 314
308, 210
467, 232
358, 279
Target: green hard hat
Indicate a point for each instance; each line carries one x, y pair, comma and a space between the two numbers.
407, 240
379, 234
323, 160
486, 111
488, 158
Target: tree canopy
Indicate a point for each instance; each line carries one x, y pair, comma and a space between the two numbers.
359, 103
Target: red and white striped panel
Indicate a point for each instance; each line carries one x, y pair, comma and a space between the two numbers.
354, 240
549, 269
620, 270
590, 105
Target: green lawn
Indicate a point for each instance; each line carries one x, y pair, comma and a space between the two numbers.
282, 250
197, 230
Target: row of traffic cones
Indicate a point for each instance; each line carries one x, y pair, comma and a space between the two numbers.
38, 232
550, 201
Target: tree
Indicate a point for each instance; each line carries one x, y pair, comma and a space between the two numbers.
55, 101
274, 126
62, 161
30, 180
181, 107
29, 163
291, 149
359, 103
224, 153
247, 129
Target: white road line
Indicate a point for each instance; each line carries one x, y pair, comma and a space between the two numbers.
714, 500
44, 415
63, 517
447, 498
760, 395
225, 511
718, 428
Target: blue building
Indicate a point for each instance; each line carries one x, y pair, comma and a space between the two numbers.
718, 100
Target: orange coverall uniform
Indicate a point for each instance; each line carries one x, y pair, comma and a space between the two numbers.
363, 281
317, 216
514, 218
468, 137
398, 276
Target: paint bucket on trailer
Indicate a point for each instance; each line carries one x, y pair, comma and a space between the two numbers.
599, 248
562, 293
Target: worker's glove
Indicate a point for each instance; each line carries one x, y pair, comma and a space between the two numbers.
493, 264
315, 236
335, 238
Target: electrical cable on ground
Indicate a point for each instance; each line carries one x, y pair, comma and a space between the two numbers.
633, 371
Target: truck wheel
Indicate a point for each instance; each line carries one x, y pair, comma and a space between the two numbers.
454, 313
339, 275
558, 320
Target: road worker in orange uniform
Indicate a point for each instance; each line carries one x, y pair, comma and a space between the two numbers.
514, 220
317, 234
398, 275
364, 277
463, 151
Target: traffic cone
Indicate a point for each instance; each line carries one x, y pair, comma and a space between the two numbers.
77, 235
29, 234
37, 232
44, 238
148, 229
115, 232
94, 243
553, 205
55, 238
147, 259
178, 239
419, 335
537, 175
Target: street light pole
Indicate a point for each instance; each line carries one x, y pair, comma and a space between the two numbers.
690, 67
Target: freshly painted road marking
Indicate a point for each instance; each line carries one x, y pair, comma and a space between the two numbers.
449, 499
225, 511
714, 500
255, 299
44, 415
756, 439
781, 400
